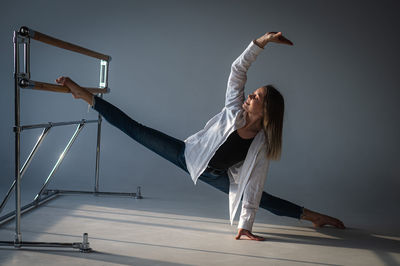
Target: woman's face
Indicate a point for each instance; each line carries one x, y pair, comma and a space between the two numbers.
255, 102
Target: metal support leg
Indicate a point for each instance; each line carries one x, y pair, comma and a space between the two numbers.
26, 164
18, 237
28, 207
138, 193
96, 187
82, 246
60, 159
103, 83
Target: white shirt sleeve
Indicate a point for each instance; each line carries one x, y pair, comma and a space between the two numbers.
253, 191
238, 76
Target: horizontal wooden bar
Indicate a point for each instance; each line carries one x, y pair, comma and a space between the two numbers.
37, 85
65, 45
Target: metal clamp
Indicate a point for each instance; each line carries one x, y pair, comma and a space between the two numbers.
17, 129
84, 246
24, 31
138, 193
23, 82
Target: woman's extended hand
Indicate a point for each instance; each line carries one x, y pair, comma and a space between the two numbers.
71, 85
77, 91
273, 36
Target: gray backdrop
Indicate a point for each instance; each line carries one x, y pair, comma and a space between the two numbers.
171, 61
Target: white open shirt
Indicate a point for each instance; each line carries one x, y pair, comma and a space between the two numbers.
247, 177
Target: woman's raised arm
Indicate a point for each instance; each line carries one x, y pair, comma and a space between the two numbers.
238, 76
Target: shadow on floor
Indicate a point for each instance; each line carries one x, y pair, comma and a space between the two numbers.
127, 260
101, 257
349, 238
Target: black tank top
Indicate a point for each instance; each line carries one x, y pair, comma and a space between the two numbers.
232, 151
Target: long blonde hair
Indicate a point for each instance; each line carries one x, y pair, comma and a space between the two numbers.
274, 108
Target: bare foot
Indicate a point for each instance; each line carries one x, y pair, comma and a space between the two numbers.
320, 220
244, 232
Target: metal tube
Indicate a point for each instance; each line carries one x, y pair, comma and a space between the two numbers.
18, 237
82, 246
27, 60
51, 124
103, 73
99, 119
106, 78
43, 244
34, 150
102, 193
26, 164
60, 159
103, 82
34, 204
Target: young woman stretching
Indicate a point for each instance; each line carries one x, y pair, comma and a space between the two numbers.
233, 151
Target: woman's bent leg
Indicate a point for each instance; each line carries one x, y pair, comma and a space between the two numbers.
166, 146
220, 182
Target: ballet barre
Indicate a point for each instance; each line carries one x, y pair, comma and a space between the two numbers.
35, 35
37, 85
22, 80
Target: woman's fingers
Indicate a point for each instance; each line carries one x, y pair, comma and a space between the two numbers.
281, 39
60, 80
278, 38
286, 41
65, 81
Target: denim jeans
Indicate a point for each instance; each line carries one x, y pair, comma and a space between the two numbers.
172, 149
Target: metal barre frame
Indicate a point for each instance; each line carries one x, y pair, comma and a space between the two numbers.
22, 80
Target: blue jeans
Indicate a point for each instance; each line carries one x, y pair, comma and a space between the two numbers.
173, 149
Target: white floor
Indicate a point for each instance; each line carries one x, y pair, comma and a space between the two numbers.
164, 229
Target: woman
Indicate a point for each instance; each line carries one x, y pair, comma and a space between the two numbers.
233, 151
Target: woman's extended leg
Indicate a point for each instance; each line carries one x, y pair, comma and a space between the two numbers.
166, 146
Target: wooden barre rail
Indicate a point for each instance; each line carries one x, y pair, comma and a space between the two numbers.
25, 31
36, 85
